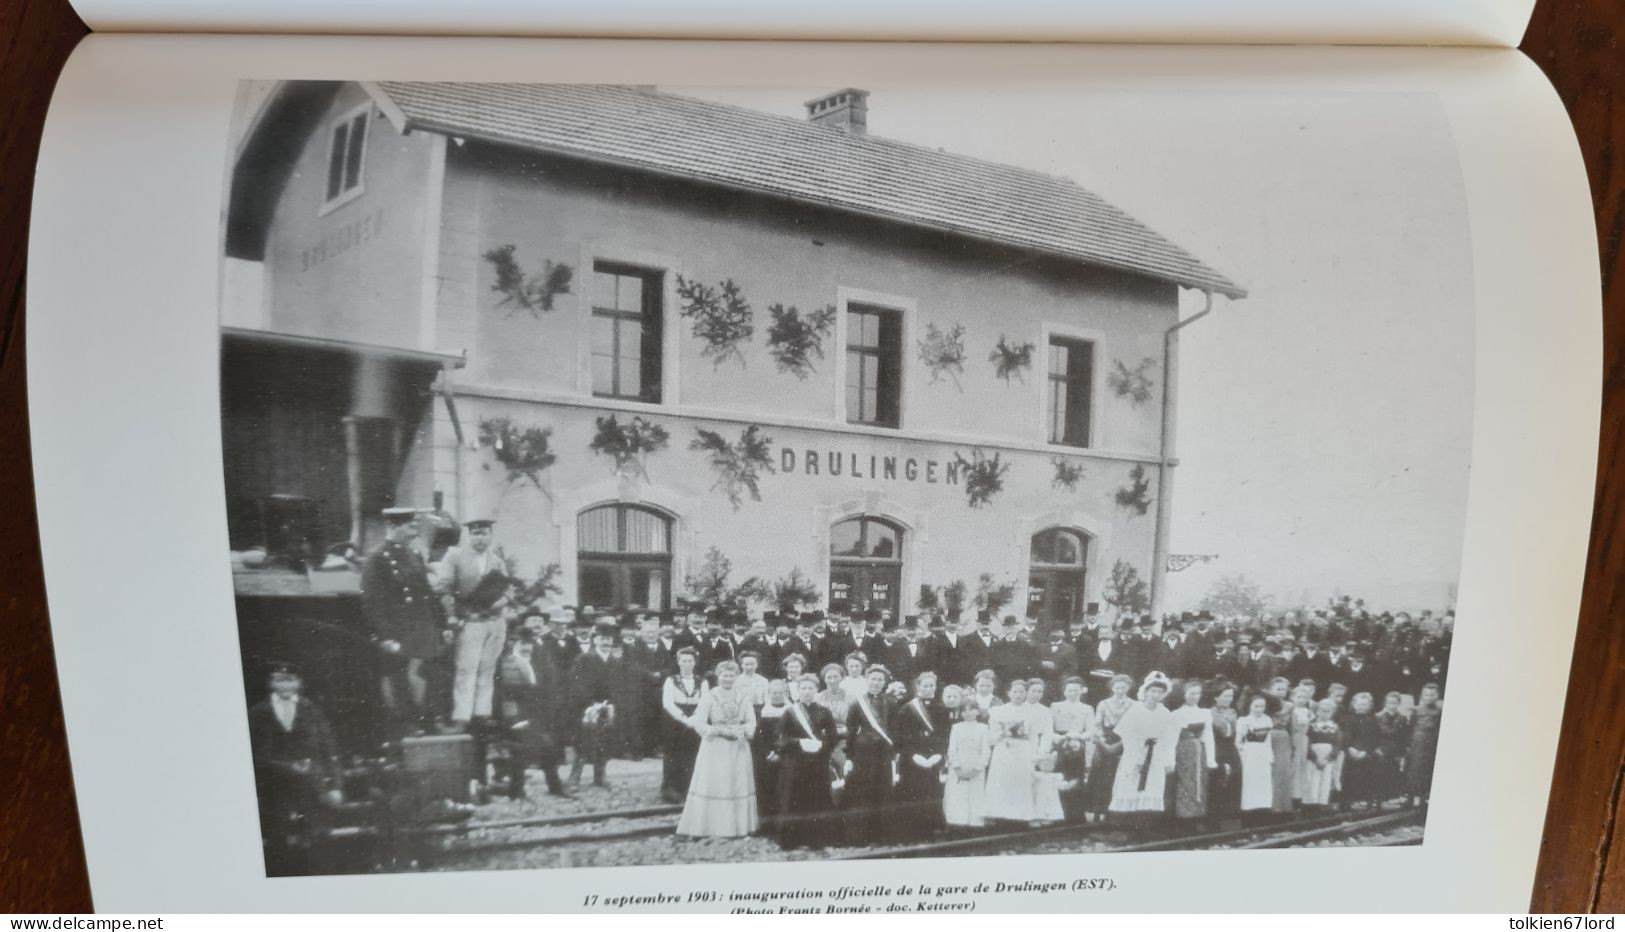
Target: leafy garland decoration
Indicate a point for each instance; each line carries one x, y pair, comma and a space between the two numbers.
530, 293
1133, 384
984, 477
943, 352
1011, 359
524, 452
1067, 475
1133, 497
628, 445
795, 339
738, 465
721, 315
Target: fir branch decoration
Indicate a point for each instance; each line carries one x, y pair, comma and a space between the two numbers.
1011, 359
1126, 591
527, 293
738, 465
795, 339
721, 315
546, 583
523, 452
795, 592
1133, 384
984, 478
628, 445
1133, 497
710, 585
953, 599
991, 597
943, 352
1067, 475
928, 602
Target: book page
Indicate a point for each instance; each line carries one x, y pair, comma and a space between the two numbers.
1368, 22
625, 476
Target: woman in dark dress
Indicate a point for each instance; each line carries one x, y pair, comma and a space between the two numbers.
1359, 746
807, 735
763, 748
921, 733
680, 697
871, 761
1225, 785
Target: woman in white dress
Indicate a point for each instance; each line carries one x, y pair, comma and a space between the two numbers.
722, 795
1046, 775
856, 682
1010, 766
983, 696
1257, 756
965, 772
1148, 734
1323, 767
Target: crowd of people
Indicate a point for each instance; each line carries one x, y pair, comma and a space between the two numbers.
858, 728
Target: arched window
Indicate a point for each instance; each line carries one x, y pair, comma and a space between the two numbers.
1056, 576
623, 557
865, 565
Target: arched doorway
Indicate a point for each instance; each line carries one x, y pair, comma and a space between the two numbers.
623, 557
1057, 576
865, 565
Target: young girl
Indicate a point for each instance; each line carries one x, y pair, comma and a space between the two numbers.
1108, 749
1255, 750
722, 796
1148, 733
1194, 754
1011, 764
969, 750
1325, 750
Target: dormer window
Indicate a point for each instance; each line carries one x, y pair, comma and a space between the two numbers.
345, 156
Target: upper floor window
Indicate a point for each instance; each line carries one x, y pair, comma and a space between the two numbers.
344, 158
626, 332
1071, 385
874, 365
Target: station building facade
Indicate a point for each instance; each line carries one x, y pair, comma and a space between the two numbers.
421, 278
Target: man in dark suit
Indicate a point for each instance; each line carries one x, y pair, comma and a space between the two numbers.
942, 652
717, 646
558, 649
907, 658
759, 639
1013, 656
783, 645
593, 681
832, 645
535, 704
1057, 660
873, 640
1170, 656
1102, 662
296, 771
692, 634
975, 652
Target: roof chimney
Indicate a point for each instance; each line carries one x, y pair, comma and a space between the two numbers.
847, 108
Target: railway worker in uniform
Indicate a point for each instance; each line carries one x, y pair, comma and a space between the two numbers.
1148, 733
922, 741
680, 697
593, 680
871, 761
722, 794
1195, 755
403, 614
535, 703
1256, 752
807, 738
477, 586
296, 770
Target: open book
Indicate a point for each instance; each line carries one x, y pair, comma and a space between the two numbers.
651, 472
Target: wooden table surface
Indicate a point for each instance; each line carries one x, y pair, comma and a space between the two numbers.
1579, 43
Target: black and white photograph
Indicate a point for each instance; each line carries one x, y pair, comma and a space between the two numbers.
644, 474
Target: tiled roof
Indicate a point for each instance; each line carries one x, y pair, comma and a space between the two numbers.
793, 158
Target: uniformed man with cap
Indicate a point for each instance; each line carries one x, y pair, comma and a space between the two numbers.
478, 588
401, 610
